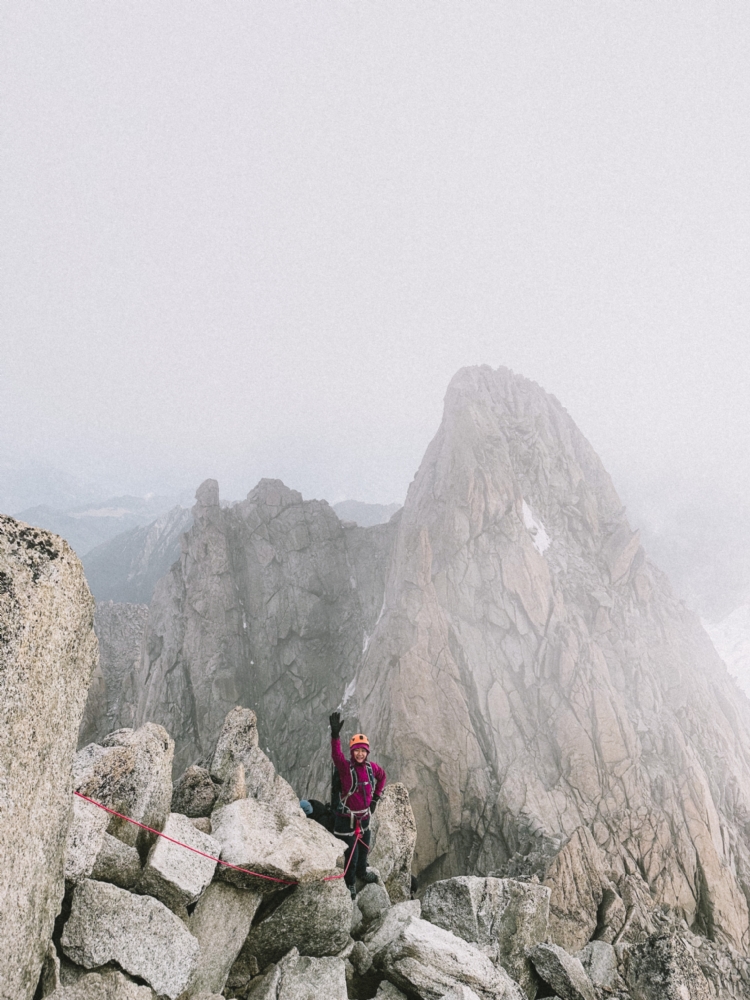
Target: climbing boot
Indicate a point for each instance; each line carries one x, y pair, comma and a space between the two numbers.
353, 891
369, 877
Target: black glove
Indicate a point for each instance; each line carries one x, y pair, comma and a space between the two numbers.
336, 723
374, 802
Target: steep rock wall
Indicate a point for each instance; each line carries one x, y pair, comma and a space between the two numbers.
531, 673
516, 660
47, 653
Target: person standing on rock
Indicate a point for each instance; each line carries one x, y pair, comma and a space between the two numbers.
361, 783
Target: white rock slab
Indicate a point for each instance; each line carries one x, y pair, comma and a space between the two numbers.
274, 842
109, 924
173, 874
85, 837
220, 923
429, 961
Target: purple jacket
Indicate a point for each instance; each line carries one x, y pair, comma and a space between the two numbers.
361, 799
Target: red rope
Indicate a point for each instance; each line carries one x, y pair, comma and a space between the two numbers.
245, 871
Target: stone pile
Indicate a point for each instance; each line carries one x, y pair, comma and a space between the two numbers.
144, 918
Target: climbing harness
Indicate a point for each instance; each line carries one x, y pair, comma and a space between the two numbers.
355, 815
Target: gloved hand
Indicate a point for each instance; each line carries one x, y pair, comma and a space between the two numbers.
374, 802
336, 723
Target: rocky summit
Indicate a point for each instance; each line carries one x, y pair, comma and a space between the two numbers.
568, 758
504, 641
154, 914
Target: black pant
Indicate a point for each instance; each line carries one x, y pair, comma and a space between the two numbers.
358, 866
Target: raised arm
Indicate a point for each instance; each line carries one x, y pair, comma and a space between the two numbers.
337, 754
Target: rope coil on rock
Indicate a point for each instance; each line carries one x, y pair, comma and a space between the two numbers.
195, 850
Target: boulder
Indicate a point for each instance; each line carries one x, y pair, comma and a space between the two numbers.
314, 918
599, 961
48, 652
390, 926
372, 902
426, 960
238, 744
274, 842
220, 924
85, 838
173, 874
194, 794
131, 772
109, 924
394, 832
662, 968
503, 917
562, 972
117, 863
302, 978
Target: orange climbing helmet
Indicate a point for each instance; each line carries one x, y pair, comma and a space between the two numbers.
359, 740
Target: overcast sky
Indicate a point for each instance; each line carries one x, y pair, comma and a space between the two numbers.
257, 239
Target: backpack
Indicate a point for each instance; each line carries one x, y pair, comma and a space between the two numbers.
338, 801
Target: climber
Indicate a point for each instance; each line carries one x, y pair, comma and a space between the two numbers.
361, 783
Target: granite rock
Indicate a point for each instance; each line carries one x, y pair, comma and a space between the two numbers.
86, 835
502, 917
108, 924
302, 978
562, 972
394, 834
313, 918
174, 875
130, 771
599, 962
662, 968
194, 794
220, 924
426, 960
278, 843
117, 863
48, 652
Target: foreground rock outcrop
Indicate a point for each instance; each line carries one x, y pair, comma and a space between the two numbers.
178, 921
47, 654
519, 665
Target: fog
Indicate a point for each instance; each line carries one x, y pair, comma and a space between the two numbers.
246, 240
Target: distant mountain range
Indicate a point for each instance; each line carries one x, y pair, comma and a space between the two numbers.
86, 526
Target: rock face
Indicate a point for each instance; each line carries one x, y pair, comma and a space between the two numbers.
515, 660
47, 654
119, 629
533, 674
262, 610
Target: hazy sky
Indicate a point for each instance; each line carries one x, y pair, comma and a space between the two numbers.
258, 239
